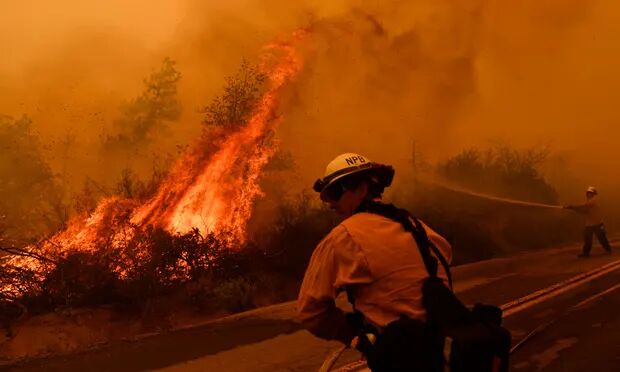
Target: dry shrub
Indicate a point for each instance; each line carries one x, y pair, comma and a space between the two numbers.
152, 264
501, 170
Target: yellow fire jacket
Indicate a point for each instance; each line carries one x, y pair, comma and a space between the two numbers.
380, 261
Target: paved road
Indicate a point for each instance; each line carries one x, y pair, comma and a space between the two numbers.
571, 337
270, 340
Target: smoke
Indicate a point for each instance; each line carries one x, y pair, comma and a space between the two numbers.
376, 86
378, 76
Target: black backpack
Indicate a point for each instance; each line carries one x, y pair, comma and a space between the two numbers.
453, 337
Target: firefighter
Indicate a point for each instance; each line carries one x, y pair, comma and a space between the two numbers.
594, 222
369, 256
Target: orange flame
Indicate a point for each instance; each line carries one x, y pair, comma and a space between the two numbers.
215, 194
212, 187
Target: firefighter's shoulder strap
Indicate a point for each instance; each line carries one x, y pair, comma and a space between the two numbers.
425, 245
423, 240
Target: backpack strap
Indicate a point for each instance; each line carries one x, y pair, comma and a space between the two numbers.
402, 216
424, 239
418, 232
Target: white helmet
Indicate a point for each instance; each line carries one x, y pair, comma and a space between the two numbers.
592, 190
350, 163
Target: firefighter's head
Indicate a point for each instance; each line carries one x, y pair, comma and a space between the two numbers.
351, 179
591, 192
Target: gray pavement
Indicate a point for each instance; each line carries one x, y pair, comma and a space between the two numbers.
572, 338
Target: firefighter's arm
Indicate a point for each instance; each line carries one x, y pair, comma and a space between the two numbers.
581, 208
336, 262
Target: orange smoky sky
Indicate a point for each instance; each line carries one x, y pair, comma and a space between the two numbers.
30, 29
378, 75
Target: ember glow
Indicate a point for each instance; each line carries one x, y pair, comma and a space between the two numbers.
212, 187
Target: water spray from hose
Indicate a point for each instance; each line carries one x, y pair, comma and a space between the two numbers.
494, 198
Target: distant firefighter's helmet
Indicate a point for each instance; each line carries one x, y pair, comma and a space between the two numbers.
592, 190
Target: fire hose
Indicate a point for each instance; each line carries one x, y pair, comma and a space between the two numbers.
331, 360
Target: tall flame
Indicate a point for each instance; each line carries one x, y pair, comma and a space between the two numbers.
212, 186
215, 193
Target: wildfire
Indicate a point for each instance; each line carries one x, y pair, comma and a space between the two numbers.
216, 193
212, 186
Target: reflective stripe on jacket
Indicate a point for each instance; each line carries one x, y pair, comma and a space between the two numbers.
379, 260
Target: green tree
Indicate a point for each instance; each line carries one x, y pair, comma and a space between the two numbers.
157, 105
235, 105
31, 204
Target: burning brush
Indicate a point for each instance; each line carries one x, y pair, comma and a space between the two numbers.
211, 188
